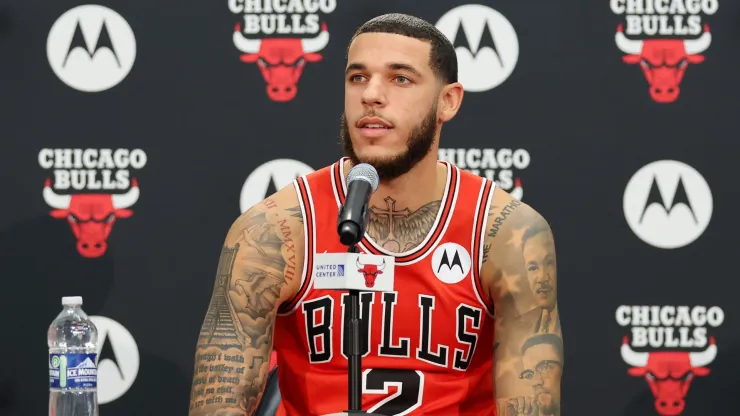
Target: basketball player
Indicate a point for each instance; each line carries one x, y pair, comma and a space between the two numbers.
455, 236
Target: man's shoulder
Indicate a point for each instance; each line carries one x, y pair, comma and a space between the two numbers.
281, 206
508, 212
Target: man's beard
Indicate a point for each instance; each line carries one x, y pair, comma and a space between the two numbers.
418, 146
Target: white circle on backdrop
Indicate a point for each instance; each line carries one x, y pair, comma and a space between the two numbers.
668, 204
279, 172
491, 48
115, 378
91, 48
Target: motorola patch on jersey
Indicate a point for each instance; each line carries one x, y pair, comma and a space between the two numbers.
450, 263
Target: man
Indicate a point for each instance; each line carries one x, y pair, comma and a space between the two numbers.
538, 249
542, 362
430, 344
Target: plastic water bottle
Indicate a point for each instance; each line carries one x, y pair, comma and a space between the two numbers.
73, 373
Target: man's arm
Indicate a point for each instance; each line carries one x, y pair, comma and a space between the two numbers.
259, 269
520, 276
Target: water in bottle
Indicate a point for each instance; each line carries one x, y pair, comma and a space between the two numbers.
73, 373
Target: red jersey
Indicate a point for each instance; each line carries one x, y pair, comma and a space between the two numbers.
428, 346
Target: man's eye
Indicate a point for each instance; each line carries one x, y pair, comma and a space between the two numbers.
355, 78
402, 79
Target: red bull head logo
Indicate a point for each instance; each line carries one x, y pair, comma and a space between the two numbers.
370, 271
669, 374
281, 60
91, 216
663, 61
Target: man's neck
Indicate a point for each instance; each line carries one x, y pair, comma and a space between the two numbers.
402, 211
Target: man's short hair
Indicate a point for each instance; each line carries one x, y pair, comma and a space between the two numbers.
547, 338
532, 231
442, 57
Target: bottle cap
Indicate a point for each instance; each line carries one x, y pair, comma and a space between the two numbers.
72, 300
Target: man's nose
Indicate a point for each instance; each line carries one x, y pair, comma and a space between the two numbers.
374, 94
539, 380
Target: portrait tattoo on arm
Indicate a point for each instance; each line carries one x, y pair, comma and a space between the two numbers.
529, 357
233, 350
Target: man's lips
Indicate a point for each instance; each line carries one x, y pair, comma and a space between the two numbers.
374, 122
373, 127
544, 290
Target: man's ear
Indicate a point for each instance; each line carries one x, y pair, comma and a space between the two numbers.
450, 100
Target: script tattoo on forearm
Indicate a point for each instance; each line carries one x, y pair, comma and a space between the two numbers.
529, 366
401, 229
233, 351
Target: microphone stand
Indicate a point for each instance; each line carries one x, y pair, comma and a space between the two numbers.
355, 340
355, 357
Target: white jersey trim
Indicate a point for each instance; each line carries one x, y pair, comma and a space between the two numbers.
305, 274
482, 237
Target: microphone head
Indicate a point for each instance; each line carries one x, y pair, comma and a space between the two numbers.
364, 172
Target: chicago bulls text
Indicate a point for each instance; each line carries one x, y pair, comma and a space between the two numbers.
485, 162
669, 326
284, 17
92, 169
664, 17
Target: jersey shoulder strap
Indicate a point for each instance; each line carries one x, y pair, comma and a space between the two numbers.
305, 201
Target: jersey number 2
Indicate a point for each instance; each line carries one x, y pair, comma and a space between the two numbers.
409, 390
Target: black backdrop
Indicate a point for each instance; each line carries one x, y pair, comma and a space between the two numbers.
550, 106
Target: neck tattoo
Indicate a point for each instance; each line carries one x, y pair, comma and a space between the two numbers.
401, 229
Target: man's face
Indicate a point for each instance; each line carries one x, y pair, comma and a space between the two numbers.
390, 103
539, 257
543, 368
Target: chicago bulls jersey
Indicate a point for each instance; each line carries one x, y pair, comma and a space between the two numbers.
428, 346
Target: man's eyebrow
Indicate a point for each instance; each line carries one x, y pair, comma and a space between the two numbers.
355, 66
403, 67
395, 66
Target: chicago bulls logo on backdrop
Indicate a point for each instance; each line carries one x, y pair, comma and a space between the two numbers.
91, 189
281, 38
663, 39
504, 166
669, 348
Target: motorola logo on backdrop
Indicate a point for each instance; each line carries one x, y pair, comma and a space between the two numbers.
91, 48
118, 359
269, 178
486, 44
668, 204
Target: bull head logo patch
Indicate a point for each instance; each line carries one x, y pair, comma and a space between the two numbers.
370, 271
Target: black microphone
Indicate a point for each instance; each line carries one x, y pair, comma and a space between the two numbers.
362, 181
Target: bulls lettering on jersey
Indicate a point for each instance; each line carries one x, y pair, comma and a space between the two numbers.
427, 346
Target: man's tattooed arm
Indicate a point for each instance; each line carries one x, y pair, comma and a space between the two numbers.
520, 276
400, 229
257, 271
